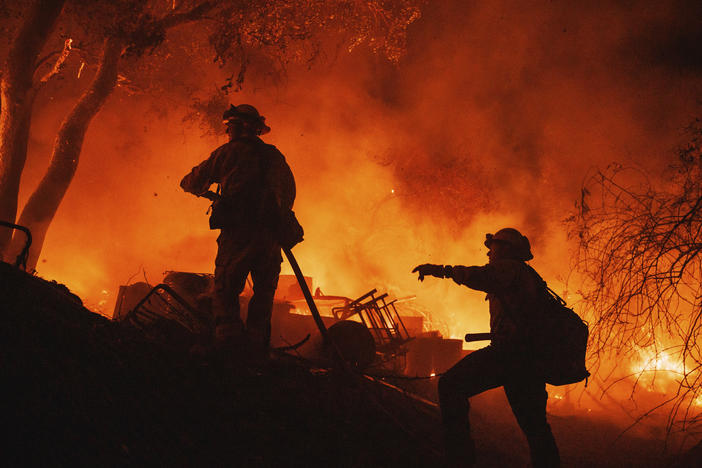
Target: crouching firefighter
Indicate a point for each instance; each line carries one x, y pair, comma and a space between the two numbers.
514, 292
256, 190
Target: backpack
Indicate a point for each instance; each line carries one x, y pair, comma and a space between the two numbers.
287, 229
560, 341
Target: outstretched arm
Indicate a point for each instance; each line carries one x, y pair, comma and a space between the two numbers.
488, 278
491, 278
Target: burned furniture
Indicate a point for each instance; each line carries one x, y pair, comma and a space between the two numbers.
368, 328
165, 316
380, 317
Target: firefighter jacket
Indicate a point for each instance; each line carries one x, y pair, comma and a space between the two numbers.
515, 293
248, 172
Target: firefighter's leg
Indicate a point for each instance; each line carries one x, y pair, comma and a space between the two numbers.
264, 273
528, 400
231, 269
474, 374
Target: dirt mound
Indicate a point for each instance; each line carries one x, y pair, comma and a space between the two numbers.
82, 390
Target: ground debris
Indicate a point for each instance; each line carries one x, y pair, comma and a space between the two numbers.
83, 390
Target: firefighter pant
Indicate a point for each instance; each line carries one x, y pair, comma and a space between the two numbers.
238, 255
486, 369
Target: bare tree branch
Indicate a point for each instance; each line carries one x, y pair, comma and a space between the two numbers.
60, 62
640, 254
177, 18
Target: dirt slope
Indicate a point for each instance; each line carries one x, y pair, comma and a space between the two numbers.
80, 390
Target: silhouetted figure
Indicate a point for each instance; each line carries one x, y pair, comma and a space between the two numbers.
256, 185
514, 292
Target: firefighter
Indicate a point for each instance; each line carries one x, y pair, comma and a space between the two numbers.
256, 185
513, 291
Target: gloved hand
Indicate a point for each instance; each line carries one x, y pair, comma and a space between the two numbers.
429, 269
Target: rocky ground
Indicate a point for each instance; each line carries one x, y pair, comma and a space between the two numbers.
79, 390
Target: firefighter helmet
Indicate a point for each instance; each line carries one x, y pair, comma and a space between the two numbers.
247, 113
520, 243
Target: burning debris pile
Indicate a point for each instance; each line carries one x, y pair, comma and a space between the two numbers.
371, 330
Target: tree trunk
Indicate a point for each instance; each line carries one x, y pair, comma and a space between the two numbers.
44, 202
17, 96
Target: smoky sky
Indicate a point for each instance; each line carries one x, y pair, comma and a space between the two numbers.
671, 41
501, 90
494, 117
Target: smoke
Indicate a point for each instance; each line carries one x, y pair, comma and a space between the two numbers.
492, 119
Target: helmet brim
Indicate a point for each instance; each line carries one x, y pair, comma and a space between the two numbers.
262, 127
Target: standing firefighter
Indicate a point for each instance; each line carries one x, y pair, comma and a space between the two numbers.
515, 292
256, 190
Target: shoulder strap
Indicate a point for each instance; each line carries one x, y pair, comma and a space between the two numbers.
548, 290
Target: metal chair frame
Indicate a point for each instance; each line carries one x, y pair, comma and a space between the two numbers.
163, 302
379, 316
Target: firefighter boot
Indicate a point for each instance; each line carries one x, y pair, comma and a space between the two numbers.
258, 348
228, 332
